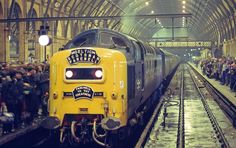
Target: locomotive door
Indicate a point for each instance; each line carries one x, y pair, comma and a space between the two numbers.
139, 72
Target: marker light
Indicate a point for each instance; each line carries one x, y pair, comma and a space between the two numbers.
98, 73
69, 74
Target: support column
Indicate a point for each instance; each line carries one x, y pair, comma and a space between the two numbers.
2, 46
22, 49
225, 52
37, 51
173, 31
233, 48
3, 37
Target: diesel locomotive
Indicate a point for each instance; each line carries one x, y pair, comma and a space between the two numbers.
101, 83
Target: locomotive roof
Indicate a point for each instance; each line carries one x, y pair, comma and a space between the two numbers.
98, 30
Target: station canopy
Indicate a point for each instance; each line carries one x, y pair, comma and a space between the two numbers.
212, 20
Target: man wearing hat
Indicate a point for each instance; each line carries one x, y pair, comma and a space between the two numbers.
15, 96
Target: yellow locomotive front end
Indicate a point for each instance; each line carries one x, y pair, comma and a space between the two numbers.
88, 90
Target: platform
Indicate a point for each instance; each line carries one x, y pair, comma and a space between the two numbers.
20, 131
225, 90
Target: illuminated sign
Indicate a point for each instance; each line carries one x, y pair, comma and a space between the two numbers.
83, 56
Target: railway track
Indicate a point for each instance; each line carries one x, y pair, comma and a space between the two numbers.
189, 117
228, 107
218, 132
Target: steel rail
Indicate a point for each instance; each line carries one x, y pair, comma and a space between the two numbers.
148, 128
149, 125
213, 120
180, 135
225, 104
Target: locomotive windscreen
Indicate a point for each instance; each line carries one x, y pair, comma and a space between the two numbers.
82, 41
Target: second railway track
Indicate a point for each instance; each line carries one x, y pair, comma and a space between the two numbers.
189, 117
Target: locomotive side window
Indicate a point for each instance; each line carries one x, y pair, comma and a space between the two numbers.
137, 51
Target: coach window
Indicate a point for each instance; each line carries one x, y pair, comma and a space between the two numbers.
143, 51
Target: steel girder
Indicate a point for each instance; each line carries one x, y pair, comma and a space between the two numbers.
222, 13
218, 16
75, 6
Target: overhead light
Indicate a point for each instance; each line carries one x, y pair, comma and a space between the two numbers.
147, 3
184, 7
152, 11
44, 40
183, 2
183, 11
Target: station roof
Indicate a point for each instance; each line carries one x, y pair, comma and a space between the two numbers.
148, 19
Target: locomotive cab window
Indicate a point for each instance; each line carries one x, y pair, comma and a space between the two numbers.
105, 39
113, 41
82, 41
119, 42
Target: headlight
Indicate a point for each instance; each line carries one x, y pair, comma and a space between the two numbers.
98, 73
69, 74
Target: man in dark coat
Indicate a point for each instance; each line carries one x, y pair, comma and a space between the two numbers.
15, 97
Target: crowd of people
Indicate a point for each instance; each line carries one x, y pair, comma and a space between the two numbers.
23, 93
221, 69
